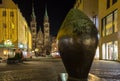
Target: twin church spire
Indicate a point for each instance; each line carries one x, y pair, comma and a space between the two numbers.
37, 37
33, 12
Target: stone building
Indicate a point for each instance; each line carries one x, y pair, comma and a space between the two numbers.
33, 27
14, 30
104, 14
40, 39
46, 33
109, 29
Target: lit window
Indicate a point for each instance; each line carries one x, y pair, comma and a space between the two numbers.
109, 24
115, 21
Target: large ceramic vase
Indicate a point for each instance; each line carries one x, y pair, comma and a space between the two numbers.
77, 43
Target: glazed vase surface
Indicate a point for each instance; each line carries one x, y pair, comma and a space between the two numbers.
77, 43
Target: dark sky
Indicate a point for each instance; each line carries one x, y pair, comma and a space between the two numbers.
57, 10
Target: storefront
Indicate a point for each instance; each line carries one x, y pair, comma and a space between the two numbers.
110, 50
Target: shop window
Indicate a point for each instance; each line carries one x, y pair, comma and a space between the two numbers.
110, 50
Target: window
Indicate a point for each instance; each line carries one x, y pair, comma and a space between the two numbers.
33, 31
46, 31
108, 4
115, 21
110, 50
11, 14
33, 25
109, 24
114, 1
4, 13
4, 25
103, 27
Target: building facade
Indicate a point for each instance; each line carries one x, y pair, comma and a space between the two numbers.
46, 25
40, 40
109, 29
46, 28
14, 31
107, 18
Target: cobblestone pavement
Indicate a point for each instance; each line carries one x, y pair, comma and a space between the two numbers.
49, 69
109, 70
32, 71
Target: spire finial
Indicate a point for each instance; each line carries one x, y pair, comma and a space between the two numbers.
33, 11
46, 14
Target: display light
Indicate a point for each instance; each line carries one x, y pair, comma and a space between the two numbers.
7, 43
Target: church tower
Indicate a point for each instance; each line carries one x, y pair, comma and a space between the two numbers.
33, 27
46, 31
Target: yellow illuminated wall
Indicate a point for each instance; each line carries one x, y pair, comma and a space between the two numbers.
29, 40
8, 25
90, 8
13, 25
109, 29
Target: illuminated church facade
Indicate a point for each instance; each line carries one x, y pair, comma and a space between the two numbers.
40, 39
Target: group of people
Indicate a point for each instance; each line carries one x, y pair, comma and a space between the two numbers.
18, 57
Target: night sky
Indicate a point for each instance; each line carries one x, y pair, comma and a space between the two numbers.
57, 11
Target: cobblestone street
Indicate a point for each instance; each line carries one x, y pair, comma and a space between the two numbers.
109, 70
32, 71
49, 69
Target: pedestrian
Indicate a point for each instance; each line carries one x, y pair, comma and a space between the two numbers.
20, 55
